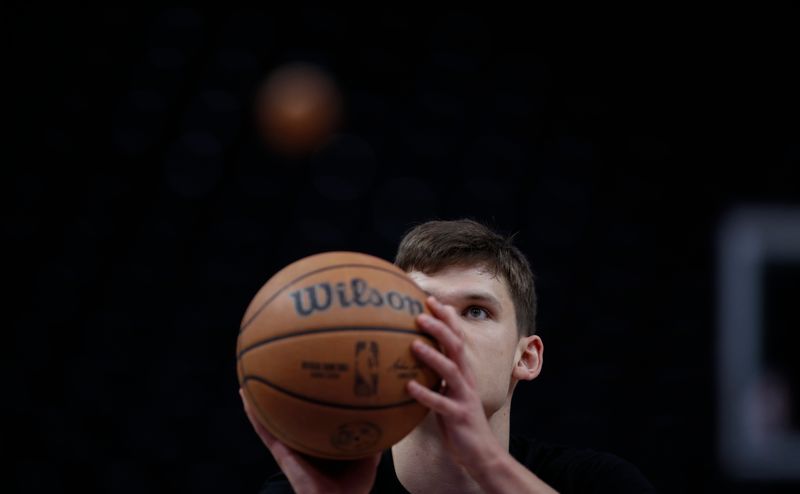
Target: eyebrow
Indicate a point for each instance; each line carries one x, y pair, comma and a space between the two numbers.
476, 296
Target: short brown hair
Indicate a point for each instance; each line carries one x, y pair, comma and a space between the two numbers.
435, 245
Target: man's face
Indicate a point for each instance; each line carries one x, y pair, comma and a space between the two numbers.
488, 323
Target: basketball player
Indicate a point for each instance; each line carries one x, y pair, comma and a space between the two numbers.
484, 306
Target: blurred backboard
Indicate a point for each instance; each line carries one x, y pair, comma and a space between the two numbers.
758, 288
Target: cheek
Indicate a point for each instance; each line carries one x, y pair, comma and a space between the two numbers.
492, 344
492, 370
492, 360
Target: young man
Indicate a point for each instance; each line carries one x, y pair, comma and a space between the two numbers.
484, 306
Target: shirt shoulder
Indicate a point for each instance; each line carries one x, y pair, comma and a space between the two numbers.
567, 469
579, 470
276, 483
386, 481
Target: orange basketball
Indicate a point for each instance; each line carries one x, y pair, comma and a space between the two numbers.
324, 355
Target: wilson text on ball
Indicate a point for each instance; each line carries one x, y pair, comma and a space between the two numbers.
319, 297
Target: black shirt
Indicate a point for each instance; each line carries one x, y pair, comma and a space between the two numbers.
567, 470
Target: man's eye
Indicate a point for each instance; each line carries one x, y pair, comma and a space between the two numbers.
476, 312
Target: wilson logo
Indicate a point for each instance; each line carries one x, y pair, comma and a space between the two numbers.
357, 293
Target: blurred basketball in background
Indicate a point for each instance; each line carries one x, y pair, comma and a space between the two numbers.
324, 355
299, 107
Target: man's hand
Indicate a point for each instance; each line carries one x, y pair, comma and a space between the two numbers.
310, 475
462, 420
459, 411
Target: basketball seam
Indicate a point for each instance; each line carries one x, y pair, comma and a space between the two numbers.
331, 329
324, 403
320, 270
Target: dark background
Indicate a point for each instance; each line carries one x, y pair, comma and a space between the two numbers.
142, 211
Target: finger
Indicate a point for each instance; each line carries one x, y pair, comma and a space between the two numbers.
445, 367
435, 401
446, 313
452, 344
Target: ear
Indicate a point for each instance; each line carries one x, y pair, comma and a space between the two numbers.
530, 356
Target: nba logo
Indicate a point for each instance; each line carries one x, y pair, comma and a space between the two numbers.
366, 367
